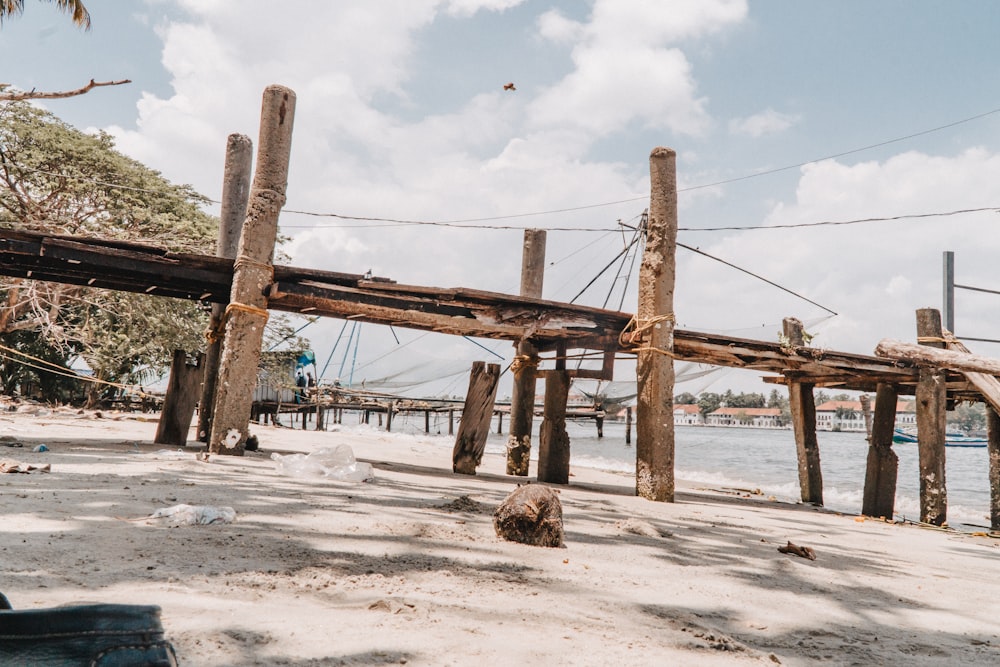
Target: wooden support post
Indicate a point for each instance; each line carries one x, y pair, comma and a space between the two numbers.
880, 476
499, 422
553, 440
931, 427
183, 391
803, 408
522, 398
388, 415
451, 422
993, 443
866, 413
654, 334
235, 192
427, 421
474, 427
252, 275
628, 425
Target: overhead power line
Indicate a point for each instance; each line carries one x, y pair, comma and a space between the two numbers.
909, 216
758, 277
470, 222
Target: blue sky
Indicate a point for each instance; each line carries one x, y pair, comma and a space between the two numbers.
401, 114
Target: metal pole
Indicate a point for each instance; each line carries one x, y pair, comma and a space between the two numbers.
949, 291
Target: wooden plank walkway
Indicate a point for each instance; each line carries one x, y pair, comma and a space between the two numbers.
550, 325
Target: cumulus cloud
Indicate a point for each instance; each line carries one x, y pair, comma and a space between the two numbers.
470, 7
768, 121
874, 275
628, 69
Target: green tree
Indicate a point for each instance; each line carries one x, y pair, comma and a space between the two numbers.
776, 399
685, 398
57, 180
968, 417
75, 8
709, 402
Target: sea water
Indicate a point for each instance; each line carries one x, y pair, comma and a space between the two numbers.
764, 460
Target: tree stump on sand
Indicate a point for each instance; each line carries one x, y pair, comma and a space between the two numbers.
531, 514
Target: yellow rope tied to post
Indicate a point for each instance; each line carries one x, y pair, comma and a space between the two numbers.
931, 339
215, 334
521, 362
631, 336
243, 260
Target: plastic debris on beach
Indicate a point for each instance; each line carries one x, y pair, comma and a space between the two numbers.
192, 515
7, 465
328, 462
170, 454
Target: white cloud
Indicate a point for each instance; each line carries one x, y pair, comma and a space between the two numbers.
553, 26
470, 7
768, 121
625, 70
875, 275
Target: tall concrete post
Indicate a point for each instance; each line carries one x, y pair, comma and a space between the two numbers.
235, 193
246, 313
654, 321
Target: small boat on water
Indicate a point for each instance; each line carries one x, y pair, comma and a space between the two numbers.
950, 439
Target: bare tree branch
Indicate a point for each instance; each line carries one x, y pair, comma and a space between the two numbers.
36, 95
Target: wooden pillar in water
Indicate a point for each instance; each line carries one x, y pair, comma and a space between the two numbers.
880, 476
235, 192
654, 335
499, 422
803, 408
628, 425
522, 399
931, 426
474, 427
246, 313
183, 391
866, 414
553, 440
993, 444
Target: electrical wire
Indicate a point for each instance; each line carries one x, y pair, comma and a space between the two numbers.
751, 273
910, 216
468, 222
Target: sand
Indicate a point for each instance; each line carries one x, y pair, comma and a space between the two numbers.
408, 570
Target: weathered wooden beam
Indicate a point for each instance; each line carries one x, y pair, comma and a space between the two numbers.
803, 408
247, 311
988, 385
931, 425
879, 499
654, 333
474, 426
235, 193
553, 440
522, 400
926, 355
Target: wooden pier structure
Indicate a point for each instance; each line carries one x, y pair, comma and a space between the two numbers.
545, 332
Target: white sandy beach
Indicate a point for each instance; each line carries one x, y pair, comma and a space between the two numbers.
408, 570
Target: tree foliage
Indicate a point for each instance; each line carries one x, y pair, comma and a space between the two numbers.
57, 180
74, 8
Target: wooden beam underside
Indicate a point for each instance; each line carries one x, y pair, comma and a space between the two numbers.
139, 268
